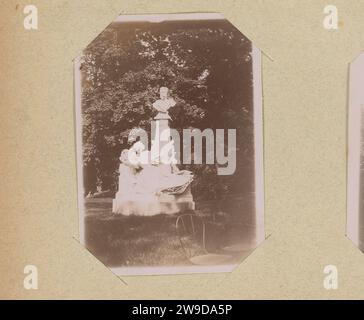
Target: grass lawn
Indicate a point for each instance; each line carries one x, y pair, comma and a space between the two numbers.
119, 240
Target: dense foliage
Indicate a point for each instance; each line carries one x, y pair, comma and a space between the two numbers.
208, 67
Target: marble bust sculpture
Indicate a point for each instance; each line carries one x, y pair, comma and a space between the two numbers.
163, 104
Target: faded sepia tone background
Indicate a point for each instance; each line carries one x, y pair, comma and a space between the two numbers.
305, 100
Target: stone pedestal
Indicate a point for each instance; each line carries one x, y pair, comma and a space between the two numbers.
169, 203
147, 205
172, 203
160, 133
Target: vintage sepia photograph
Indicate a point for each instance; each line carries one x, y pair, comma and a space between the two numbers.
355, 187
170, 145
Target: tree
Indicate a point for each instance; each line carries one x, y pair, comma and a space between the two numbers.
206, 64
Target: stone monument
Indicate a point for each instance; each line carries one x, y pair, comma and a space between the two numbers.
157, 187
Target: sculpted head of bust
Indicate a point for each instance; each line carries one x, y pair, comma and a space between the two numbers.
165, 102
163, 93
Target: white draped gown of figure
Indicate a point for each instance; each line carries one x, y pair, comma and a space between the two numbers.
140, 188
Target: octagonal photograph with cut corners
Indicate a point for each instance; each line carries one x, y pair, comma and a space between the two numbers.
169, 145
